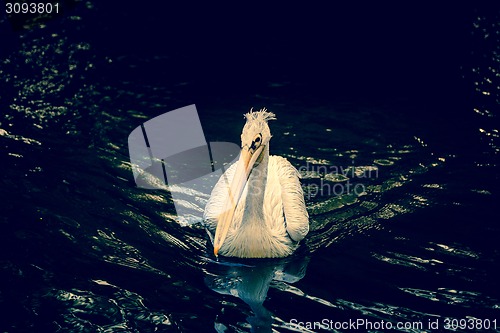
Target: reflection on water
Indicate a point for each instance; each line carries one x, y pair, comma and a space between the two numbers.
250, 281
402, 226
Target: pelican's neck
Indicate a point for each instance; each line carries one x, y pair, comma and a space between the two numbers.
257, 181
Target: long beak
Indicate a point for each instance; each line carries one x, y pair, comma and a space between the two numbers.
243, 169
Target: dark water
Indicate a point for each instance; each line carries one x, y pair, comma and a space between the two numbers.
392, 120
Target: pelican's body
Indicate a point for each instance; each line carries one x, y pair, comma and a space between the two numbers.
257, 208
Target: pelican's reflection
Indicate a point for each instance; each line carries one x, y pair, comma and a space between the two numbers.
250, 279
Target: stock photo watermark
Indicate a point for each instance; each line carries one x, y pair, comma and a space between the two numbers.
337, 180
171, 150
363, 324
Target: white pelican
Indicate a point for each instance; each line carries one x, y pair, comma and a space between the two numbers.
257, 207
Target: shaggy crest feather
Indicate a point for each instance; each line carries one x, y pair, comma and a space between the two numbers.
262, 115
257, 123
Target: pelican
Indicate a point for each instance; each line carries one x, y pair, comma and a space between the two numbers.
257, 207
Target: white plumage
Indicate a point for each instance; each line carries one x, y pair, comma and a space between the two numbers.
257, 208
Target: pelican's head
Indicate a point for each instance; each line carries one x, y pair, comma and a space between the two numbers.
254, 140
256, 131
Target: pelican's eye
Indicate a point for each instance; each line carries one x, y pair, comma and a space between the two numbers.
256, 142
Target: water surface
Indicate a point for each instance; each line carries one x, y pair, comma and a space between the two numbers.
400, 190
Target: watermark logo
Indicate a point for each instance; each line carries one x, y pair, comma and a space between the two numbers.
171, 149
337, 180
170, 152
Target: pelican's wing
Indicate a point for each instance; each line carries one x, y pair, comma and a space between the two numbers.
219, 197
292, 197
